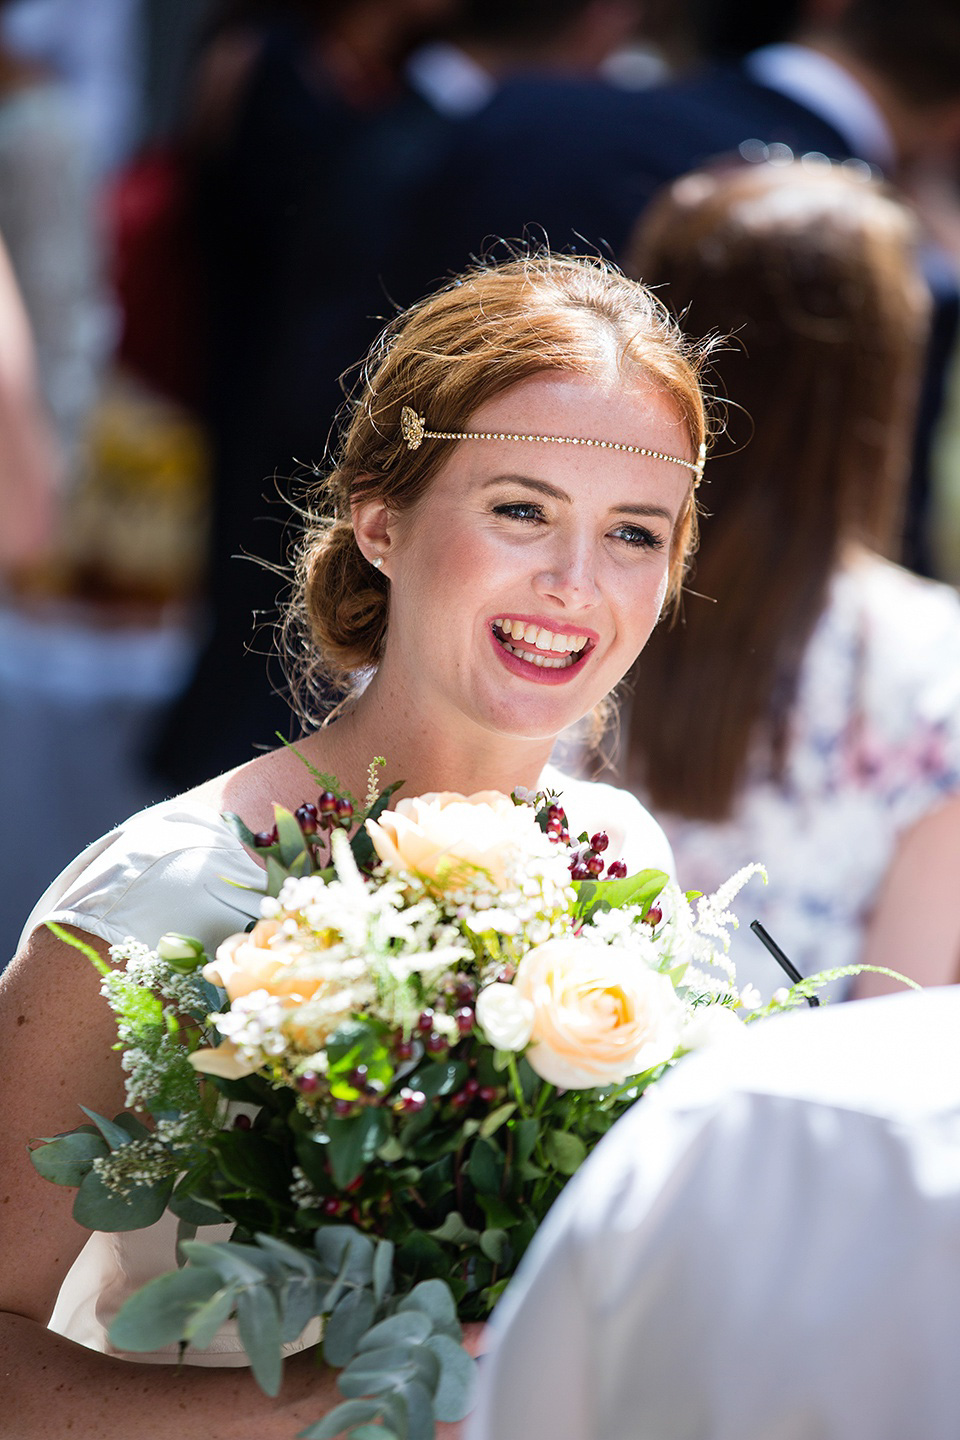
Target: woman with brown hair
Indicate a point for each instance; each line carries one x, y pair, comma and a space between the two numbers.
812, 687
510, 507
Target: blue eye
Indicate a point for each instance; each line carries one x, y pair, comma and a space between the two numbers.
639, 537
520, 510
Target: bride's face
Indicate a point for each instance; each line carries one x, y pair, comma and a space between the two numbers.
527, 579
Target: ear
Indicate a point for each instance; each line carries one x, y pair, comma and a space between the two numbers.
373, 525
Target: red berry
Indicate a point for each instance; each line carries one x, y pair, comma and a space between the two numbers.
308, 1082
327, 803
579, 872
465, 992
471, 1087
262, 839
460, 1100
342, 1107
358, 1077
306, 817
242, 1122
435, 1043
331, 1206
412, 1100
464, 1019
600, 841
344, 811
403, 1049
616, 870
594, 864
425, 1021
654, 915
486, 1093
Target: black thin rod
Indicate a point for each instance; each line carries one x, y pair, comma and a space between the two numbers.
787, 966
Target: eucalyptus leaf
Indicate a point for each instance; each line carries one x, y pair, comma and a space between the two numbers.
98, 1208
347, 1325
207, 1319
485, 1168
192, 1211
418, 1400
299, 1304
566, 1152
376, 1432
231, 1262
291, 838
158, 1314
382, 1270
67, 1159
258, 1322
458, 1377
374, 1372
344, 1251
289, 1254
433, 1297
407, 1327
115, 1135
351, 1412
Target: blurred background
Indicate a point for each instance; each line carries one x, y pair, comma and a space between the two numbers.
207, 210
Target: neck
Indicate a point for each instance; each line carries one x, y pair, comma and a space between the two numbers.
422, 751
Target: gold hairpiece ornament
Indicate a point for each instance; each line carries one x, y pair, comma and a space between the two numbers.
414, 432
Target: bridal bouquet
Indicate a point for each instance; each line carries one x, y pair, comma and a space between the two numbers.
385, 1083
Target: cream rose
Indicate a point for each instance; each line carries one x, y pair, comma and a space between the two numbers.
262, 960
505, 1016
600, 1014
436, 833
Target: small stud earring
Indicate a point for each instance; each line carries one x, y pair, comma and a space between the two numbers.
378, 563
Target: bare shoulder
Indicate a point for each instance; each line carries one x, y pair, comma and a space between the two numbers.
56, 1034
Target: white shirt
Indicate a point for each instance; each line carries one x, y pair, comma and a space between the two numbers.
830, 91
767, 1247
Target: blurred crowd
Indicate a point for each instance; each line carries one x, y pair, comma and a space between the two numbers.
209, 207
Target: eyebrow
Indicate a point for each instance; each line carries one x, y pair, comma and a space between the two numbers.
543, 487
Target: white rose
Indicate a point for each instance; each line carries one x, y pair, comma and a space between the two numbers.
505, 1016
711, 1025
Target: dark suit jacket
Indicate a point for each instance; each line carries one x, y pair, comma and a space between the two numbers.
575, 162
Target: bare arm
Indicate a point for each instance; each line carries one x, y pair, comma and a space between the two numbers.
55, 1037
915, 925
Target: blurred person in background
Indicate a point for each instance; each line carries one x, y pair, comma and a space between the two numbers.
814, 686
302, 141
873, 81
29, 457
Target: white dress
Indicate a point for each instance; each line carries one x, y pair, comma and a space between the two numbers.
873, 746
176, 866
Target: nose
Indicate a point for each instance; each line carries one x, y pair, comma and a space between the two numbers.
569, 573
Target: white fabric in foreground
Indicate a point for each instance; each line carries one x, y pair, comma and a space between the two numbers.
766, 1248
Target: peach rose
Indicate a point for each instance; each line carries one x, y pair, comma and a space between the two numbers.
600, 1014
436, 833
262, 960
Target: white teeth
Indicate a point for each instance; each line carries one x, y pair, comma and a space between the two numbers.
543, 639
541, 661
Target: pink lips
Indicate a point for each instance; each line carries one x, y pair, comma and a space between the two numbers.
527, 669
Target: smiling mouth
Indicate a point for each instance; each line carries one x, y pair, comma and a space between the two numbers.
539, 646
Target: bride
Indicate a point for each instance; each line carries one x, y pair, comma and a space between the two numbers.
511, 507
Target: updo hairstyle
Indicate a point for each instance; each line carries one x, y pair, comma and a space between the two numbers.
483, 333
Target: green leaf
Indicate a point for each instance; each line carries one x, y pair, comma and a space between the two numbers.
228, 1260
525, 1134
639, 889
453, 1397
289, 1254
455, 1230
158, 1315
115, 1135
565, 1152
354, 1142
234, 823
418, 1400
407, 1326
499, 1213
433, 1297
194, 1212
495, 1244
345, 1328
206, 1320
291, 838
382, 1270
496, 1118
299, 1304
351, 1412
68, 1159
373, 1372
98, 1208
344, 1251
92, 955
258, 1322
439, 1077
485, 1168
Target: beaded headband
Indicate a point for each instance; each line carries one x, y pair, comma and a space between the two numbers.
414, 432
